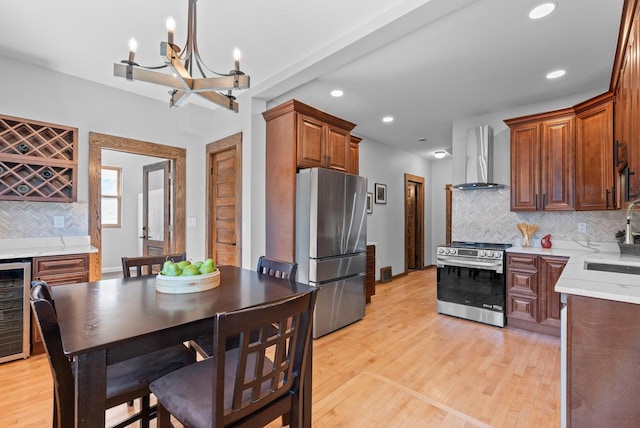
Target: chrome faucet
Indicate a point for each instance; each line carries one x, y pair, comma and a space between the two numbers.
628, 238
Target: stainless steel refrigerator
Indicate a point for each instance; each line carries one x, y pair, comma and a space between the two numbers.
331, 244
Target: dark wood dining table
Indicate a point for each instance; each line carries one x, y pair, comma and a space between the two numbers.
107, 321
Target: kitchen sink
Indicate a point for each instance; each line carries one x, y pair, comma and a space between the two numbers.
608, 267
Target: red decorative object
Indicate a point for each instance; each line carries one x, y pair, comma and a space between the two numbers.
546, 241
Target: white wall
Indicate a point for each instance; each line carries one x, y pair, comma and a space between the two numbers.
383, 164
441, 175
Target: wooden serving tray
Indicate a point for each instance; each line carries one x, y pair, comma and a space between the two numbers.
187, 284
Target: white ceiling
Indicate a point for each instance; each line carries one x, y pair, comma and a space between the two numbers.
425, 62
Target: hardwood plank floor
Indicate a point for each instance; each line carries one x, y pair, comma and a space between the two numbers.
403, 365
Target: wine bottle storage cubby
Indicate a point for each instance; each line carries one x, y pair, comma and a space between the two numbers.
38, 161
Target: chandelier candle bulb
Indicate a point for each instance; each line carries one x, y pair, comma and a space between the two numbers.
133, 46
236, 58
171, 29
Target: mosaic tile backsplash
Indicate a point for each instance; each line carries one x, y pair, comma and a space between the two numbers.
485, 216
35, 219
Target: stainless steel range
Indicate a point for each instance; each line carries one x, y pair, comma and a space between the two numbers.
472, 281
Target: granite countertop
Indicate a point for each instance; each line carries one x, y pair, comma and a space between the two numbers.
52, 246
575, 279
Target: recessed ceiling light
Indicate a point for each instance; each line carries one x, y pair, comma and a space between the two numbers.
542, 10
387, 119
555, 74
422, 139
337, 93
439, 154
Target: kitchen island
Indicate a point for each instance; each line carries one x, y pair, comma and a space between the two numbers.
600, 335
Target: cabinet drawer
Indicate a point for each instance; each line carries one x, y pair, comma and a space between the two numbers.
522, 282
60, 265
524, 308
64, 278
522, 262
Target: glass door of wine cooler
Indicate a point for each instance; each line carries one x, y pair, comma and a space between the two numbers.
15, 279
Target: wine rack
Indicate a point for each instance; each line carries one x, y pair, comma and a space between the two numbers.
38, 161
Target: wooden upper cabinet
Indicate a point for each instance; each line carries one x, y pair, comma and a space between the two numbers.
311, 147
525, 166
354, 155
322, 145
298, 136
543, 161
338, 149
595, 184
558, 164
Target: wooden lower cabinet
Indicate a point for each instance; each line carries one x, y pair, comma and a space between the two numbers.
370, 278
532, 302
56, 270
603, 374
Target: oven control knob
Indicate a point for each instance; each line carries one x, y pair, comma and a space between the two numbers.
451, 251
497, 255
481, 253
440, 250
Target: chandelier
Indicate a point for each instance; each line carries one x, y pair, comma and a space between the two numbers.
183, 65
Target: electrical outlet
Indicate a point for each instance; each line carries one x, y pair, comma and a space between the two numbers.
192, 221
58, 221
582, 227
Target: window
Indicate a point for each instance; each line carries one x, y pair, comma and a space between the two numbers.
110, 194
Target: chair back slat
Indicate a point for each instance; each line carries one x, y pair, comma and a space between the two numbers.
277, 268
271, 361
148, 265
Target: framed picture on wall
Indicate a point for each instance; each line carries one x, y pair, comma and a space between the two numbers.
369, 203
381, 193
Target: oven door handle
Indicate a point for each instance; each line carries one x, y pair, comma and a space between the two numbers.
448, 261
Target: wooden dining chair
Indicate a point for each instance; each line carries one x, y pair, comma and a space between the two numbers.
252, 384
284, 270
126, 380
148, 265
277, 268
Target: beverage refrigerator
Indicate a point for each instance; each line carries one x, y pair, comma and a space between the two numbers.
15, 313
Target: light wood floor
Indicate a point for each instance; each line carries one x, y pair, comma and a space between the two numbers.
403, 365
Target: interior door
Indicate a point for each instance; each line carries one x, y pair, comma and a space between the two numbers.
224, 210
156, 209
413, 222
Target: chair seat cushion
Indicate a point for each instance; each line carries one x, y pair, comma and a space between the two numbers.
136, 373
187, 393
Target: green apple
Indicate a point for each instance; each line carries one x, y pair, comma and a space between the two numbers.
190, 271
209, 262
184, 263
165, 266
206, 269
173, 270
198, 264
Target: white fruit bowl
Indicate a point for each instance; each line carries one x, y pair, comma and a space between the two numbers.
187, 284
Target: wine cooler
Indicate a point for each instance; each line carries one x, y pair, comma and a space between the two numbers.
15, 280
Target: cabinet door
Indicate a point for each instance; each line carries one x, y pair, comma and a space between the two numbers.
354, 155
337, 150
525, 167
550, 270
633, 148
310, 145
557, 169
594, 159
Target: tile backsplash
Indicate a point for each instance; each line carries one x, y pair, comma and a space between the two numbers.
485, 216
36, 219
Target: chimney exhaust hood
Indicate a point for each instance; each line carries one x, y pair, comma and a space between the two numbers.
479, 160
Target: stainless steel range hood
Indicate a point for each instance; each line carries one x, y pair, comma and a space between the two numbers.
479, 160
